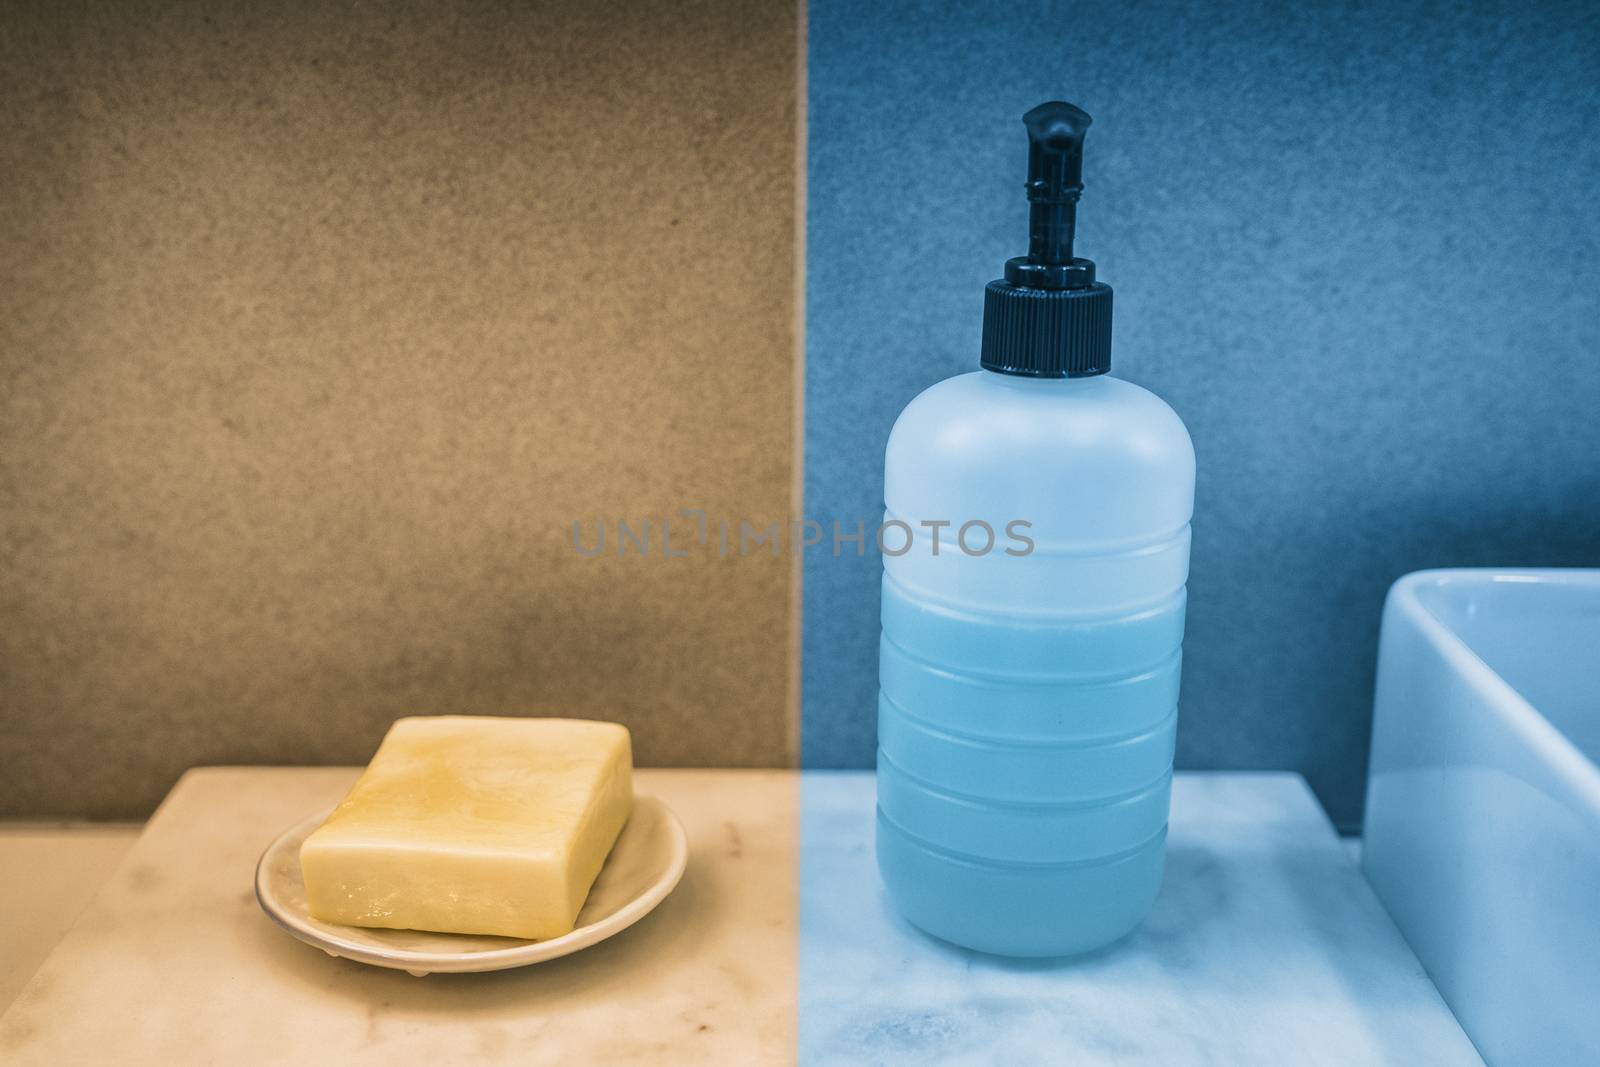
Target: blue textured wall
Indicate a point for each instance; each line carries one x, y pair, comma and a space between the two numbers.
1355, 246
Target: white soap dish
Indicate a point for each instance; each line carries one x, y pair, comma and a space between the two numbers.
644, 866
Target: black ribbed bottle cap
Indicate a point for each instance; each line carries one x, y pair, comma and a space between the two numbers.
1048, 317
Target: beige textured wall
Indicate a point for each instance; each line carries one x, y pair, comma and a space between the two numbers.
320, 323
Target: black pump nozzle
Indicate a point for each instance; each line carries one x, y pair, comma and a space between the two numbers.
1055, 179
1048, 317
1055, 182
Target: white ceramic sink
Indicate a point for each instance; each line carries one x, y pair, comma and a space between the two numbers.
1482, 828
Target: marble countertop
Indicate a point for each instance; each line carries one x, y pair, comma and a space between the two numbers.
174, 964
49, 872
1265, 947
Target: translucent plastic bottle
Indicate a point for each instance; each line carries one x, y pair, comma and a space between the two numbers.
1029, 692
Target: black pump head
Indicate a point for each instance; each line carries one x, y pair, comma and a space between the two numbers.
1055, 182
1048, 317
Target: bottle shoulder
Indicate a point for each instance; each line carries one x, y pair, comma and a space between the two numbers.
974, 418
1091, 462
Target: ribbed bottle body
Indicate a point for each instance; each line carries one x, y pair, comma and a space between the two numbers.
1029, 694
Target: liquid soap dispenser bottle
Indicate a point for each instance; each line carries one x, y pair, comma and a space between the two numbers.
1032, 626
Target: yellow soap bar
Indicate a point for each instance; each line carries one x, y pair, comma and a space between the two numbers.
474, 825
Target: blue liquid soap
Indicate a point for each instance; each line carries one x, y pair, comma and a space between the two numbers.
1029, 693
